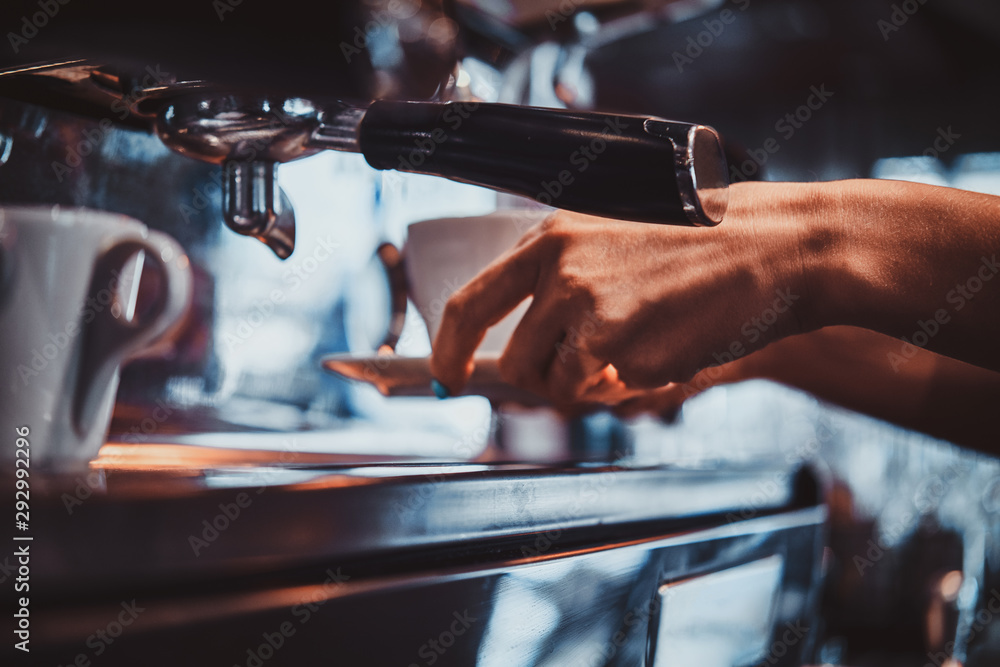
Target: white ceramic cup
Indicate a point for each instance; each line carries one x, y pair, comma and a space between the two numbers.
64, 328
443, 254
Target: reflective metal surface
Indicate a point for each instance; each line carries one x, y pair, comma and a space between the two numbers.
447, 565
353, 512
250, 205
702, 622
230, 127
700, 168
249, 136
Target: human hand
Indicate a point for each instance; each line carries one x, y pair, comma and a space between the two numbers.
620, 306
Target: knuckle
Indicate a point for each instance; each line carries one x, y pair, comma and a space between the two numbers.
552, 221
455, 306
556, 227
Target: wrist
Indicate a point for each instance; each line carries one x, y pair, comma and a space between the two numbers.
795, 237
831, 270
881, 253
850, 236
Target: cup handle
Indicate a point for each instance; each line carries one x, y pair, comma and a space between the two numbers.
392, 262
108, 340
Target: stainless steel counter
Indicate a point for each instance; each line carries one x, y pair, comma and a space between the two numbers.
370, 564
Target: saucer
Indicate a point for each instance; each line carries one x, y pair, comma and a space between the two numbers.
394, 375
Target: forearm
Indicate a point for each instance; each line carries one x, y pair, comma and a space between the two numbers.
928, 392
848, 366
913, 261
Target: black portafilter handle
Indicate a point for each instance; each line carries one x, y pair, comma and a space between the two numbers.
637, 168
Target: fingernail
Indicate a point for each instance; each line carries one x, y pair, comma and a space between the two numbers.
439, 389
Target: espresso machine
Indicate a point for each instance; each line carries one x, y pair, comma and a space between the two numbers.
247, 507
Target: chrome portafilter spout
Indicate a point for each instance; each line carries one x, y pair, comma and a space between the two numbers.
249, 206
249, 136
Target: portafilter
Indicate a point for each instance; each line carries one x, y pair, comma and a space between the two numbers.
630, 167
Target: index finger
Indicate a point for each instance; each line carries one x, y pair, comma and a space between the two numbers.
478, 305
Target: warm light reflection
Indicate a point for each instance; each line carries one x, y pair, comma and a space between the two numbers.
950, 585
611, 373
235, 468
150, 456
